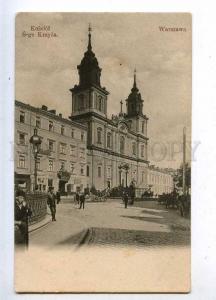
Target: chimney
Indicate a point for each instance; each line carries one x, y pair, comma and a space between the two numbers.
44, 107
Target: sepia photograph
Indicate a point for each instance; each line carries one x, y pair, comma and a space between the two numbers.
103, 152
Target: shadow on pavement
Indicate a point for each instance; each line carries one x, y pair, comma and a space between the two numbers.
138, 238
123, 237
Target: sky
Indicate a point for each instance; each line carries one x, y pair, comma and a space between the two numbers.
46, 68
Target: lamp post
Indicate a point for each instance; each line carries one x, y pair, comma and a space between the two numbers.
35, 140
126, 167
120, 171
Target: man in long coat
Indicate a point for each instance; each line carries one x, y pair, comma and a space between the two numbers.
21, 214
52, 202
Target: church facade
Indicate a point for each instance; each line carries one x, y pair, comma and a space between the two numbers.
117, 147
91, 148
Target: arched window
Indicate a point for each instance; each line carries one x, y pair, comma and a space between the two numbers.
87, 171
134, 148
100, 103
99, 135
122, 144
142, 150
81, 102
109, 140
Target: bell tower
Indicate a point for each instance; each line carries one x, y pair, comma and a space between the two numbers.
88, 95
134, 101
134, 114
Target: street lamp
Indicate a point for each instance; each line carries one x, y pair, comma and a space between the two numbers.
126, 167
35, 140
120, 171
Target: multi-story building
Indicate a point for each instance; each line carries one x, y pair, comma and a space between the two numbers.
63, 149
117, 147
160, 180
90, 148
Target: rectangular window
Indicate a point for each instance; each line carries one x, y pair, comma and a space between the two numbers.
38, 122
99, 136
72, 167
72, 150
62, 129
82, 153
21, 163
87, 171
62, 148
108, 172
22, 139
50, 165
109, 140
99, 171
82, 136
82, 170
22, 117
72, 133
50, 125
51, 146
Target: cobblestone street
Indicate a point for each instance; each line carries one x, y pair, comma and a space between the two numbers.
145, 224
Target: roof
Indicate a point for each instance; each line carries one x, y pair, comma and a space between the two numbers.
49, 114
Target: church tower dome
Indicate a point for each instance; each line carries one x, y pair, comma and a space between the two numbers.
134, 101
89, 70
88, 97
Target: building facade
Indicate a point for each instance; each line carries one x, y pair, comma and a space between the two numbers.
89, 148
160, 181
61, 161
117, 147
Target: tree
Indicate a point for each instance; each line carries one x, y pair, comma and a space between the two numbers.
178, 178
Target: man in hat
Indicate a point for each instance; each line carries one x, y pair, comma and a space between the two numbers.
82, 200
52, 203
21, 214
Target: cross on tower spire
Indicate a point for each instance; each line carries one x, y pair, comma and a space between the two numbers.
134, 78
89, 37
121, 103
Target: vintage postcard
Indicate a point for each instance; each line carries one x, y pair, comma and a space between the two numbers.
102, 152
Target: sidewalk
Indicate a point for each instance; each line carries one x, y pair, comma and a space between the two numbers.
69, 229
40, 224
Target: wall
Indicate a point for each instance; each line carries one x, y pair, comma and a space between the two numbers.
74, 161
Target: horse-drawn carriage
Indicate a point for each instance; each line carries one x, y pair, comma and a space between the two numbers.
180, 202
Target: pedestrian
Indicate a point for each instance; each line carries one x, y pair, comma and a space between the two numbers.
58, 197
52, 203
82, 200
77, 198
125, 199
87, 190
21, 214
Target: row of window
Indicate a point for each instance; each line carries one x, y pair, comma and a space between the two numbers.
50, 126
51, 146
82, 103
121, 145
159, 179
22, 164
